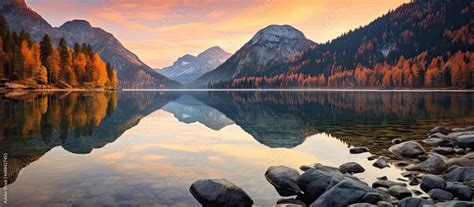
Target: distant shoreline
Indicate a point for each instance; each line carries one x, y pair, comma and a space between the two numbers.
308, 90
242, 90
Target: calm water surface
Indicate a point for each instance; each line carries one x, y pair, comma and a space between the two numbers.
146, 148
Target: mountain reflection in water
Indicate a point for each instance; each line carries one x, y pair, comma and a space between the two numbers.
79, 122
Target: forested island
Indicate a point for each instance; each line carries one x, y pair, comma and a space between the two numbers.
26, 64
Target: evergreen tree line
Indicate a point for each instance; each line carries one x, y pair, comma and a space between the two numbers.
24, 61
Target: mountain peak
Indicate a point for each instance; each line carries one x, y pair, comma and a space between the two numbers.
275, 33
214, 51
20, 3
77, 23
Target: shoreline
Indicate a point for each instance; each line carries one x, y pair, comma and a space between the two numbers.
241, 90
305, 89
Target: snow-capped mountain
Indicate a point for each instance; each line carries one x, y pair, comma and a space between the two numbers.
271, 46
188, 109
188, 68
131, 71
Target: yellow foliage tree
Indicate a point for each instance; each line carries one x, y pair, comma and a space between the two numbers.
54, 62
99, 72
79, 64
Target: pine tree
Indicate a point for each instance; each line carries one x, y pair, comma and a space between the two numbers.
3, 26
46, 51
54, 70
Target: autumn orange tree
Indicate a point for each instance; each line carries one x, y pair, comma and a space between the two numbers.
22, 59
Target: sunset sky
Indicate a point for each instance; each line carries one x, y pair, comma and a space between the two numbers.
160, 31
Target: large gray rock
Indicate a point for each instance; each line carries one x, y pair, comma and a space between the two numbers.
316, 180
351, 167
283, 178
399, 192
441, 129
459, 190
466, 140
439, 141
460, 174
410, 149
414, 202
464, 161
434, 164
219, 192
440, 195
429, 182
348, 191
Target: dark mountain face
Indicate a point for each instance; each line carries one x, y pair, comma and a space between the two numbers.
188, 68
270, 47
413, 28
131, 71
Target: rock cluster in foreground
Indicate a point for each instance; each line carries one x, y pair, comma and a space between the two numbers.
447, 182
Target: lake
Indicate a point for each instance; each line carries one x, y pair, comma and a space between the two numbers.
147, 147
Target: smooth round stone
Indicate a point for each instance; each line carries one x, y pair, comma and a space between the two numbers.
381, 163
219, 192
460, 174
372, 157
396, 141
466, 140
455, 204
351, 167
410, 149
283, 178
460, 191
440, 195
362, 205
358, 150
386, 183
434, 164
290, 202
429, 182
384, 204
399, 192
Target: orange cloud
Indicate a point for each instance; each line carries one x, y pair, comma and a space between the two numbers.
159, 32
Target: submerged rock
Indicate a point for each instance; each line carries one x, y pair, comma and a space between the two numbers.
429, 182
219, 192
409, 149
283, 178
434, 164
351, 167
358, 150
